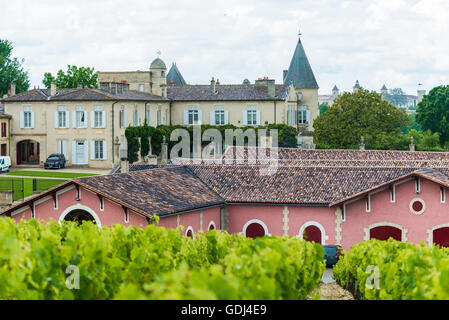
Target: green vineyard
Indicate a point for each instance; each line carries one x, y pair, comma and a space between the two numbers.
52, 261
393, 270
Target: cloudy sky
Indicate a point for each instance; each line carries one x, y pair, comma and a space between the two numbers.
399, 43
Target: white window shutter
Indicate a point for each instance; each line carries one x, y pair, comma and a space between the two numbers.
67, 120
22, 120
138, 118
149, 117
86, 119
32, 120
212, 118
245, 117
168, 117
308, 116
56, 120
258, 117
73, 152
105, 150
200, 117
92, 150
226, 117
162, 117
74, 119
126, 119
186, 117
64, 148
103, 119
92, 119
86, 152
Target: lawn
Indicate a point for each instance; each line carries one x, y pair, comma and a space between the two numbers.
26, 184
50, 174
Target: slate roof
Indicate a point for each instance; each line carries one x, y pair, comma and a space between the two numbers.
81, 94
300, 72
158, 191
225, 92
175, 75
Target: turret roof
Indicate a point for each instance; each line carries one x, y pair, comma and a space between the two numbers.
175, 75
300, 72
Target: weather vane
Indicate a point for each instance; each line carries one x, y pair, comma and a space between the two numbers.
158, 53
299, 31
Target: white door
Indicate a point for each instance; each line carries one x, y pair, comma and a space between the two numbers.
80, 152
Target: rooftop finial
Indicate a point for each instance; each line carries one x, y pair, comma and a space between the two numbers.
158, 53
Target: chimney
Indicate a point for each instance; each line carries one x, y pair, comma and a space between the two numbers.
53, 89
218, 82
124, 165
285, 73
13, 89
271, 88
212, 86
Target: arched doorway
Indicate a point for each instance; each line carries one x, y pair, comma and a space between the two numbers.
385, 232
255, 230
79, 216
441, 237
211, 226
312, 234
28, 152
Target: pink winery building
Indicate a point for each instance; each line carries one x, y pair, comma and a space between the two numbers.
328, 196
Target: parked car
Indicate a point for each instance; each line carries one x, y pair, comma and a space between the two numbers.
332, 254
5, 163
55, 161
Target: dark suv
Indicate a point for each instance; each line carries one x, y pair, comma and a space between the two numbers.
55, 161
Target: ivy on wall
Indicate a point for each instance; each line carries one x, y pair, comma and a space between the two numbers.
138, 138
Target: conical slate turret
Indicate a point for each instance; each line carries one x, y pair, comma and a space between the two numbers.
175, 75
300, 72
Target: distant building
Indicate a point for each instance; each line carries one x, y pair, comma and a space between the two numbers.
404, 101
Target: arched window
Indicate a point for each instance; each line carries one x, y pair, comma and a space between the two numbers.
313, 231
255, 229
211, 226
189, 232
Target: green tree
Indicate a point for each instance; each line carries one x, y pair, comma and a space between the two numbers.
433, 112
11, 70
352, 115
323, 108
74, 76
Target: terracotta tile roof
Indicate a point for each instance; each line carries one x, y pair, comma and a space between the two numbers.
159, 191
225, 92
295, 185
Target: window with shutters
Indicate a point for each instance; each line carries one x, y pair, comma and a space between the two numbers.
80, 117
219, 117
98, 119
99, 150
193, 117
135, 116
302, 115
252, 117
27, 119
62, 117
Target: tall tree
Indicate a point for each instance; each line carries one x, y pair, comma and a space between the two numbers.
358, 114
11, 70
433, 112
74, 76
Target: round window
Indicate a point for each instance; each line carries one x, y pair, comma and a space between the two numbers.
417, 206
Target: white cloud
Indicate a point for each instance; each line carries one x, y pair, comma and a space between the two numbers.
397, 42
